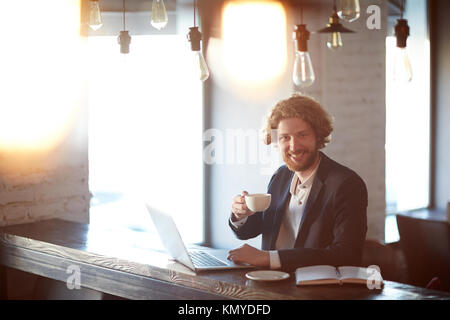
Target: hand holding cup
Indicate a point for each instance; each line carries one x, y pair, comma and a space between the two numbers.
246, 204
239, 208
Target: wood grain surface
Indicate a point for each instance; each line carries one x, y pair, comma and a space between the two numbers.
120, 262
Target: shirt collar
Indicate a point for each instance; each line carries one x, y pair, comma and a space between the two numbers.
307, 183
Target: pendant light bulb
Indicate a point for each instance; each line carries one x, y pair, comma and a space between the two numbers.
159, 14
200, 66
303, 75
349, 10
402, 65
195, 36
95, 17
334, 41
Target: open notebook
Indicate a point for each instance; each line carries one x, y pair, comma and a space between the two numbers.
323, 274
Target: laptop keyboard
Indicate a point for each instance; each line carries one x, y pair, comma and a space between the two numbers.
203, 259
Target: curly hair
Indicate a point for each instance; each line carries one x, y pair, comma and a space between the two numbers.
305, 108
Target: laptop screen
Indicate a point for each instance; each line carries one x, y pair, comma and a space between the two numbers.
170, 237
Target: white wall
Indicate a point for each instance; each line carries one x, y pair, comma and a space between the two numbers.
48, 185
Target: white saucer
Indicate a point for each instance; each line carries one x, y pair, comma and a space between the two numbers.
267, 275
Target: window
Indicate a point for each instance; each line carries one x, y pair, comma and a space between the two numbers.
408, 120
145, 132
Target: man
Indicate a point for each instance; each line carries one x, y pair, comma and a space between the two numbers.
318, 213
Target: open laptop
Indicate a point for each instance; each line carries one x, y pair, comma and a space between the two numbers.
197, 260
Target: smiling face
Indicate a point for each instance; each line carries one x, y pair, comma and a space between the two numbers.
298, 144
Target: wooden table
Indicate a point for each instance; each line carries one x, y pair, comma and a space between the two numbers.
120, 262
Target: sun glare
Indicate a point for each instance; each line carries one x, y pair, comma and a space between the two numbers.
254, 41
41, 68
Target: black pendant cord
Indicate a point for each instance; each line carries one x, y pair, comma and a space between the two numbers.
123, 5
402, 8
301, 14
334, 6
195, 6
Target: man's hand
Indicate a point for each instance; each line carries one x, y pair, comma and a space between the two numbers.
250, 255
239, 208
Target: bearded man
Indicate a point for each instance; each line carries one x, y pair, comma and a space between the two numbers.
318, 212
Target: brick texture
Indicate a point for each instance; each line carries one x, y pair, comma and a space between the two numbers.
353, 89
40, 185
29, 195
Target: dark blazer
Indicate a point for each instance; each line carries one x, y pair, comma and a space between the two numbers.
334, 223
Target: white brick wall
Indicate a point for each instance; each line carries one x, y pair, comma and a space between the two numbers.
353, 89
42, 185
28, 195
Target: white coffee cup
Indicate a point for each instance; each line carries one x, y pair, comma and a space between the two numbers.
258, 201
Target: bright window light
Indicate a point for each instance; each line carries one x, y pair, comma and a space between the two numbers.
408, 130
40, 73
145, 130
254, 41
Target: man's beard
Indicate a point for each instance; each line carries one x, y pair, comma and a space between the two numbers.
311, 156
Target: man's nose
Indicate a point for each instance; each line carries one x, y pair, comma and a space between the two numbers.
294, 144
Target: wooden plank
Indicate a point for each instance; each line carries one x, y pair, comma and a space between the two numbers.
159, 268
102, 279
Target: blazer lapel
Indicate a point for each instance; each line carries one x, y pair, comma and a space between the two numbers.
281, 208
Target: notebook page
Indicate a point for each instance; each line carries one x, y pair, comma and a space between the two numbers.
353, 273
316, 273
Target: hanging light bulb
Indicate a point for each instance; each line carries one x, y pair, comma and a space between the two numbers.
334, 41
402, 65
124, 38
203, 73
349, 10
335, 28
95, 17
195, 36
159, 14
303, 75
